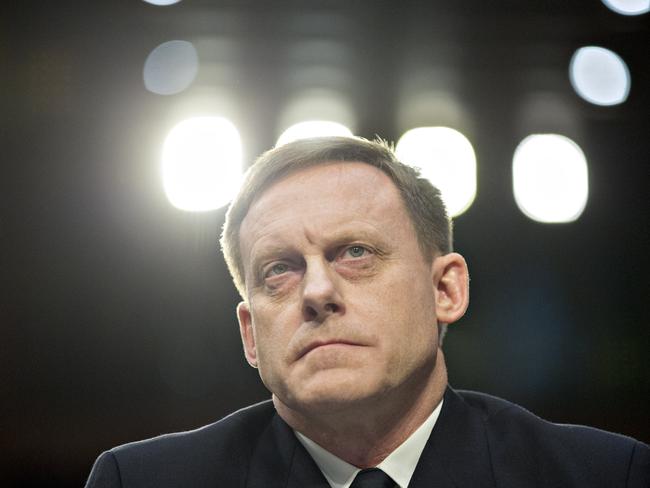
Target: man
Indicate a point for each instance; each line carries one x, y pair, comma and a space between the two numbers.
343, 259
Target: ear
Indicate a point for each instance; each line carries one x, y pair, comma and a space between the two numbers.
247, 335
451, 281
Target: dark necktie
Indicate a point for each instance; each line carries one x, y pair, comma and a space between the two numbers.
372, 478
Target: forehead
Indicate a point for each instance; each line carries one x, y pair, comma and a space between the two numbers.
324, 189
322, 198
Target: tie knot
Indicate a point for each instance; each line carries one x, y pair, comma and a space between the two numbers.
372, 478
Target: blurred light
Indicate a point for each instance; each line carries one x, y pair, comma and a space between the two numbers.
599, 76
317, 104
628, 7
202, 163
162, 2
550, 180
427, 108
313, 128
427, 95
446, 158
171, 67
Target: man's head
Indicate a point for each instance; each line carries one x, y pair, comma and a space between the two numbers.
422, 200
342, 257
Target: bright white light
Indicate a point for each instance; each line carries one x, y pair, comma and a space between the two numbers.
171, 67
202, 163
313, 128
446, 158
162, 2
550, 181
599, 76
628, 7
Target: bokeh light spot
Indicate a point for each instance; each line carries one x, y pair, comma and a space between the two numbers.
202, 163
550, 178
162, 2
599, 76
446, 158
171, 67
313, 128
628, 7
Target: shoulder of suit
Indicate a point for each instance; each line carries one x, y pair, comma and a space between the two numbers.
518, 436
224, 443
499, 412
237, 426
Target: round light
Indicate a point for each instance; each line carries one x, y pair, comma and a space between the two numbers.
550, 178
628, 7
599, 76
317, 111
202, 163
313, 128
446, 158
171, 67
162, 2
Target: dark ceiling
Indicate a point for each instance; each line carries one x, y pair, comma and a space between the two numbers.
117, 316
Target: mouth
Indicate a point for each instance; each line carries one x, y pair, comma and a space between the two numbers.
320, 344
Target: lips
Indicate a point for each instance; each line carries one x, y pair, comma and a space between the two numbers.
316, 344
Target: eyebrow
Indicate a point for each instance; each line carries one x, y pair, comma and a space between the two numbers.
268, 252
348, 236
280, 247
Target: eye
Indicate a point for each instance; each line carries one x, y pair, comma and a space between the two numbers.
356, 251
277, 269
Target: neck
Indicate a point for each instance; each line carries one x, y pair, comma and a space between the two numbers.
364, 436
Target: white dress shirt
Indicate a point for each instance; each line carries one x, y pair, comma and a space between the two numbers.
399, 465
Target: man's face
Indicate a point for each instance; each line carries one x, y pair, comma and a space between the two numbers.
340, 300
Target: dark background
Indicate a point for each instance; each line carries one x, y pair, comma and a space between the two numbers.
117, 313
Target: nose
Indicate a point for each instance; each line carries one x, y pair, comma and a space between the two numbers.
320, 294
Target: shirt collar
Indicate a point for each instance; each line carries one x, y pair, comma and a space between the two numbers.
399, 465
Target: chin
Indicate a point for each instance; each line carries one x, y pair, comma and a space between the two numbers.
331, 396
325, 404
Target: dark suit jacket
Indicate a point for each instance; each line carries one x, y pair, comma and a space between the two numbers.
478, 441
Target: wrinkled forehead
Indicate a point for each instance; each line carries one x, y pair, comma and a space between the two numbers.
324, 194
302, 186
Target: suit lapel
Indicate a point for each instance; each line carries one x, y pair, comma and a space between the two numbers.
280, 461
455, 456
457, 453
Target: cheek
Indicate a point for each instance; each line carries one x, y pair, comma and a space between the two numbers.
269, 358
272, 336
408, 315
266, 340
